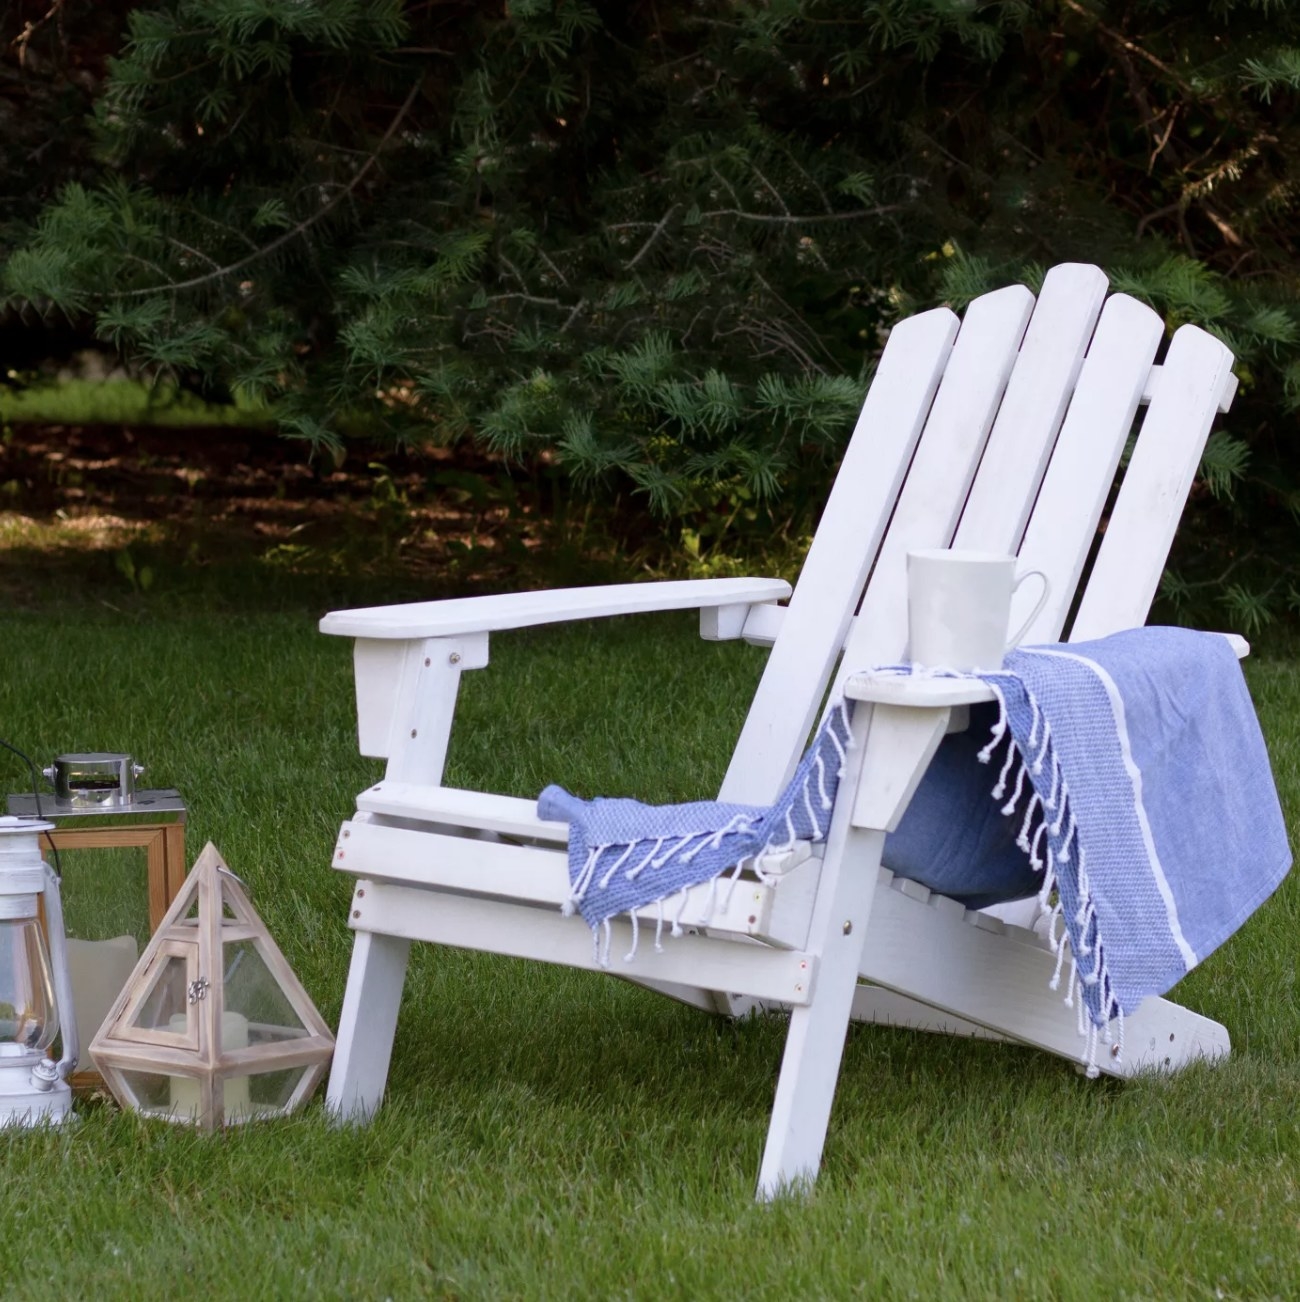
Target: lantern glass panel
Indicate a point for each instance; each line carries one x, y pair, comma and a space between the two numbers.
166, 1005
106, 893
252, 990
29, 1018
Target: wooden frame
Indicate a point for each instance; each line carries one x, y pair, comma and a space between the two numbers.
162, 843
164, 848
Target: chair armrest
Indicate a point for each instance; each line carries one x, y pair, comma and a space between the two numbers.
921, 692
460, 615
408, 659
916, 691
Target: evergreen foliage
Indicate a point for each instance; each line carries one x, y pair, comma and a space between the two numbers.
659, 245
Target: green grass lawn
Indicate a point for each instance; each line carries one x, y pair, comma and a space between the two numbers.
118, 401
552, 1134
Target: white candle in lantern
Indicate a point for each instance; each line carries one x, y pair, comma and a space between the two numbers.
185, 1098
98, 969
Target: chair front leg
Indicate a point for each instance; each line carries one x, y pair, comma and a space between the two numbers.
367, 1025
815, 1041
892, 747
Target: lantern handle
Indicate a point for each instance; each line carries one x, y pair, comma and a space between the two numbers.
235, 877
67, 1064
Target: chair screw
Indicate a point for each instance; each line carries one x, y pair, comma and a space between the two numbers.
848, 929
454, 658
413, 732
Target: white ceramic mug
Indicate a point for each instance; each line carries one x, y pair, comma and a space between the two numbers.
959, 605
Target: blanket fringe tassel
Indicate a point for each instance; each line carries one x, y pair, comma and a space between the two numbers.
1049, 836
804, 816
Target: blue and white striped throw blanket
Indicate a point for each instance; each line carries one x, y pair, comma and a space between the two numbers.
1124, 780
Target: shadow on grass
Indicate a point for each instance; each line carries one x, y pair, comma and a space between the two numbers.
129, 519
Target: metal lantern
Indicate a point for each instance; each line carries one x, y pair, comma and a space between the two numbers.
96, 806
95, 779
212, 1028
35, 990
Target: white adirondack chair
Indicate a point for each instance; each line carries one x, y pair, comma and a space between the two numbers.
1002, 435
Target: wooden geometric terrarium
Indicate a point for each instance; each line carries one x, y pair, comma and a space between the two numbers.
212, 1028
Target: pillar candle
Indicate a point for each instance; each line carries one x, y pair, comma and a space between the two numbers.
185, 1098
98, 969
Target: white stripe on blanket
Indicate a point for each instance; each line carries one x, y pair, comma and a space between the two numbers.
1139, 809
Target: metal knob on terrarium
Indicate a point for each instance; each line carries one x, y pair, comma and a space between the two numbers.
94, 778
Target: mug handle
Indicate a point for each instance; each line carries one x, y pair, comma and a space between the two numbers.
1038, 605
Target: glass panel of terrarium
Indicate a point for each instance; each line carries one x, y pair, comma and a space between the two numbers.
252, 991
166, 1006
271, 1092
158, 1094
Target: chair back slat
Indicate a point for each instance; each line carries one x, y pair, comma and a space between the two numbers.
1194, 379
944, 467
868, 496
1064, 520
1029, 419
847, 538
1007, 440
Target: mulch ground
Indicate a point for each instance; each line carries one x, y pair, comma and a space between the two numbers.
456, 522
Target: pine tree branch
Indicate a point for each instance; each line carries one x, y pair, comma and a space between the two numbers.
779, 219
573, 316
24, 38
225, 227
296, 231
1119, 39
1223, 574
1156, 213
1222, 226
193, 252
770, 188
807, 176
527, 298
654, 235
1164, 138
560, 276
775, 219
